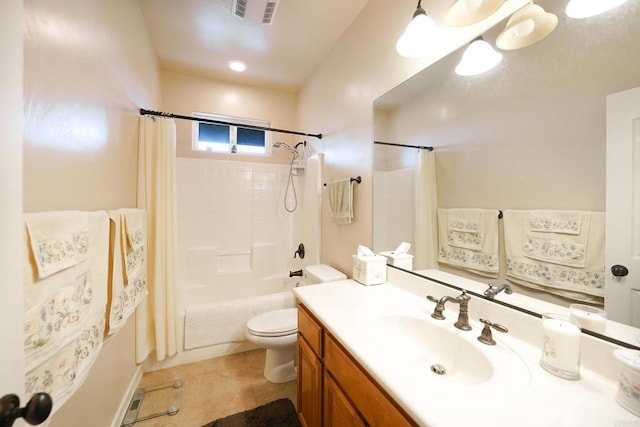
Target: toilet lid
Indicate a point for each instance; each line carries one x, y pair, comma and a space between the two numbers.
274, 323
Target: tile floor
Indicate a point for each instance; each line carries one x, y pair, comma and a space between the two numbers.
213, 389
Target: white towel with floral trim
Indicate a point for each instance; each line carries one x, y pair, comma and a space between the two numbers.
128, 268
57, 239
468, 239
560, 252
65, 313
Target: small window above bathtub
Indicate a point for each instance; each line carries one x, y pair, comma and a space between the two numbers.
229, 136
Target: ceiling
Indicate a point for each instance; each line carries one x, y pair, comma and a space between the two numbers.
201, 36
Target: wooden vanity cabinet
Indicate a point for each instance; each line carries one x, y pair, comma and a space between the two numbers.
333, 389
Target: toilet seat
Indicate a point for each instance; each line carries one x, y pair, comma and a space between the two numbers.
275, 323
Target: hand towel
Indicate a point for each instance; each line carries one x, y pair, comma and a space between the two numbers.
58, 239
341, 201
473, 245
562, 255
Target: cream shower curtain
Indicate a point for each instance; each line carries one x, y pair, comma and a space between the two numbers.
156, 318
426, 212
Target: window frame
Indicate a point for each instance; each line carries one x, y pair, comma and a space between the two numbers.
234, 124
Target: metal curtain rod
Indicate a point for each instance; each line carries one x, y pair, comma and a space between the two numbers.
421, 147
144, 112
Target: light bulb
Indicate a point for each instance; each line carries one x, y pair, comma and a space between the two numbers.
586, 8
524, 28
478, 58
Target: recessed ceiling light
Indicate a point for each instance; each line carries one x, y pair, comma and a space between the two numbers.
238, 66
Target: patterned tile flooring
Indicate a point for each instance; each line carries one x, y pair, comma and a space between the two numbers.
212, 389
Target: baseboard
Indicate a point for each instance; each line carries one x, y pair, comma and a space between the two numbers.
126, 399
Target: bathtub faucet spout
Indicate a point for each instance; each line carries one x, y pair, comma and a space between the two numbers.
295, 273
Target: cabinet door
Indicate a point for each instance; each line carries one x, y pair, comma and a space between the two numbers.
338, 411
309, 386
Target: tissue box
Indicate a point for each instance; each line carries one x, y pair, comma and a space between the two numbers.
404, 261
370, 270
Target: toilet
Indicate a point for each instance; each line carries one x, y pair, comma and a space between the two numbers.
277, 330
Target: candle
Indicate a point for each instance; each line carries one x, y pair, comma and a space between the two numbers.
588, 317
560, 346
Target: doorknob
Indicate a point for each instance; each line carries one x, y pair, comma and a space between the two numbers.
619, 270
35, 412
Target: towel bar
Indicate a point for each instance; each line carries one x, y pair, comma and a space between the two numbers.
357, 179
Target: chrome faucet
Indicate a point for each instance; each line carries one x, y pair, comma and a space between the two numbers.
463, 313
492, 291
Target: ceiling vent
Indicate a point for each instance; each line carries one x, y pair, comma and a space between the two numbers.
257, 11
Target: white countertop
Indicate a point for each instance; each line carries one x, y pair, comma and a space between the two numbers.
353, 314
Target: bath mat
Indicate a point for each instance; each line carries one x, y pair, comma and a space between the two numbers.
279, 413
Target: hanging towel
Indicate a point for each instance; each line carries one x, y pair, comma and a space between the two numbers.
468, 238
58, 239
65, 312
560, 252
341, 201
127, 274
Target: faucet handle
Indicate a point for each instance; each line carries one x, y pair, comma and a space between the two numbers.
438, 309
432, 299
485, 336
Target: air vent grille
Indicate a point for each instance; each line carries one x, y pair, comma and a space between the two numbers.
269, 12
240, 8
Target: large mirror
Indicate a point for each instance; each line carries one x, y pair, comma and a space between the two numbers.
529, 134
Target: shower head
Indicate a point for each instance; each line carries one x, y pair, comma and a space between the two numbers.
287, 146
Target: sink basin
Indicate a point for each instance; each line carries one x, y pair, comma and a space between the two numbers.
438, 352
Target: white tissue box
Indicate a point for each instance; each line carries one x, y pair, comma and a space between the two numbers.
403, 260
370, 270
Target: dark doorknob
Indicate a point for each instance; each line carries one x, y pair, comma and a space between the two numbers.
619, 270
35, 412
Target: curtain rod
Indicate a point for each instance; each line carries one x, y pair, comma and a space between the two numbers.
421, 147
144, 112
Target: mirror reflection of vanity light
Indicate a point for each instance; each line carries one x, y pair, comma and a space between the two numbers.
579, 9
478, 58
526, 26
468, 12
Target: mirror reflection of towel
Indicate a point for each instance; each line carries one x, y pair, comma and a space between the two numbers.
341, 201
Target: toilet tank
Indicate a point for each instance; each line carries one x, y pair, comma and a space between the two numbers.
321, 273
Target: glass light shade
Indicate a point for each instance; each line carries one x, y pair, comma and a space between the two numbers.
586, 8
526, 26
477, 58
414, 42
468, 12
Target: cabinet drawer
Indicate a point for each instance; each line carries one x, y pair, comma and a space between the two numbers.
373, 403
310, 329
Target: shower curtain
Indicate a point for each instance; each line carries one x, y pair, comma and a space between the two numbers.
156, 317
426, 208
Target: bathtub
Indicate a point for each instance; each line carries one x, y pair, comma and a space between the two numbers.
195, 296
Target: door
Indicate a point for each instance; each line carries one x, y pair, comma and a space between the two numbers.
622, 259
11, 336
309, 386
338, 410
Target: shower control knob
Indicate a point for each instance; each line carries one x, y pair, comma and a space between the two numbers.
619, 270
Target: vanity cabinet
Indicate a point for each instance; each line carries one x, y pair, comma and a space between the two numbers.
333, 389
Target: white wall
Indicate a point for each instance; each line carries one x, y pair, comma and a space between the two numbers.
88, 68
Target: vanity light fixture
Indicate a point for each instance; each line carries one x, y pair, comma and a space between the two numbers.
477, 58
579, 9
413, 42
468, 12
526, 26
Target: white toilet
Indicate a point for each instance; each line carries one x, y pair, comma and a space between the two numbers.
277, 330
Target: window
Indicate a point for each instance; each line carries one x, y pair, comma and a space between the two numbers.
222, 138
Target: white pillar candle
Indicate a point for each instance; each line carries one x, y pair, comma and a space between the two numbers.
588, 317
560, 346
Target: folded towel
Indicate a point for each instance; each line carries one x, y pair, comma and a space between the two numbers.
465, 228
568, 261
475, 249
58, 239
341, 201
226, 321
